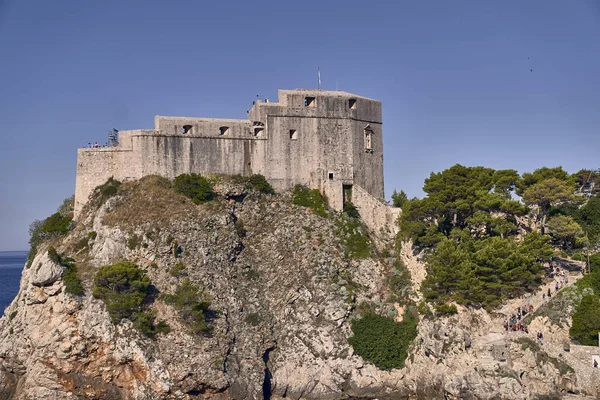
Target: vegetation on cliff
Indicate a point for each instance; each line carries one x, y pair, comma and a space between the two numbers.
124, 287
72, 282
58, 224
383, 341
586, 319
477, 251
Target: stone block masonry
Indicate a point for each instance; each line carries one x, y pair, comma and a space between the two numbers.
326, 140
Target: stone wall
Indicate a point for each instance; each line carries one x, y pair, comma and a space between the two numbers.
377, 214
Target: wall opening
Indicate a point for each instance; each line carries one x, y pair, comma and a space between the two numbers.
259, 131
224, 130
186, 129
352, 104
347, 193
293, 134
331, 176
309, 102
368, 139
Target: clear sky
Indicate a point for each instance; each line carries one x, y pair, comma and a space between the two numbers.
504, 84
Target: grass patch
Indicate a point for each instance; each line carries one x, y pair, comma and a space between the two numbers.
313, 199
151, 202
353, 235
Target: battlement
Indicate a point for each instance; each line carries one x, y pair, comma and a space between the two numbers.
327, 140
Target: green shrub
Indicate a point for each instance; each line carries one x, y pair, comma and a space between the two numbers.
445, 309
191, 304
178, 270
312, 199
57, 224
108, 189
260, 183
145, 323
586, 321
12, 315
194, 186
92, 235
382, 341
69, 277
350, 210
53, 254
122, 287
424, 309
133, 242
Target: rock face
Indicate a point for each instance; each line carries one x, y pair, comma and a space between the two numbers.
284, 294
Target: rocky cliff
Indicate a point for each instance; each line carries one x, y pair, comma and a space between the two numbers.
283, 289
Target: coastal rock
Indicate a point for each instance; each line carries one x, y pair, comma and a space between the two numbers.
283, 297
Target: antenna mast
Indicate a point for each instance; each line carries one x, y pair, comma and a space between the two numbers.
318, 78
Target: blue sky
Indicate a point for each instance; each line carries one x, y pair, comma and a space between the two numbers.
454, 77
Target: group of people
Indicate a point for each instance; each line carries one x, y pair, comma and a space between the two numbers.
514, 323
562, 281
94, 145
540, 337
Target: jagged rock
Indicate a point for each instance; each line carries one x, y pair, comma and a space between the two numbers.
44, 271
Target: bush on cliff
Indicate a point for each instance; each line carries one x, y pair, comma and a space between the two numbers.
312, 199
70, 279
58, 224
192, 305
256, 181
122, 287
382, 341
586, 319
194, 186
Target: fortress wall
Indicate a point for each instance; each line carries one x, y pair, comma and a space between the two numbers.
377, 215
170, 156
203, 127
95, 167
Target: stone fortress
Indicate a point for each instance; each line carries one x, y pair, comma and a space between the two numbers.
326, 140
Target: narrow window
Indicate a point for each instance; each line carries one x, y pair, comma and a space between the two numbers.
224, 130
293, 134
331, 176
186, 129
352, 104
309, 102
368, 140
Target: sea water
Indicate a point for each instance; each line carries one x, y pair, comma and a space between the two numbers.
11, 266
